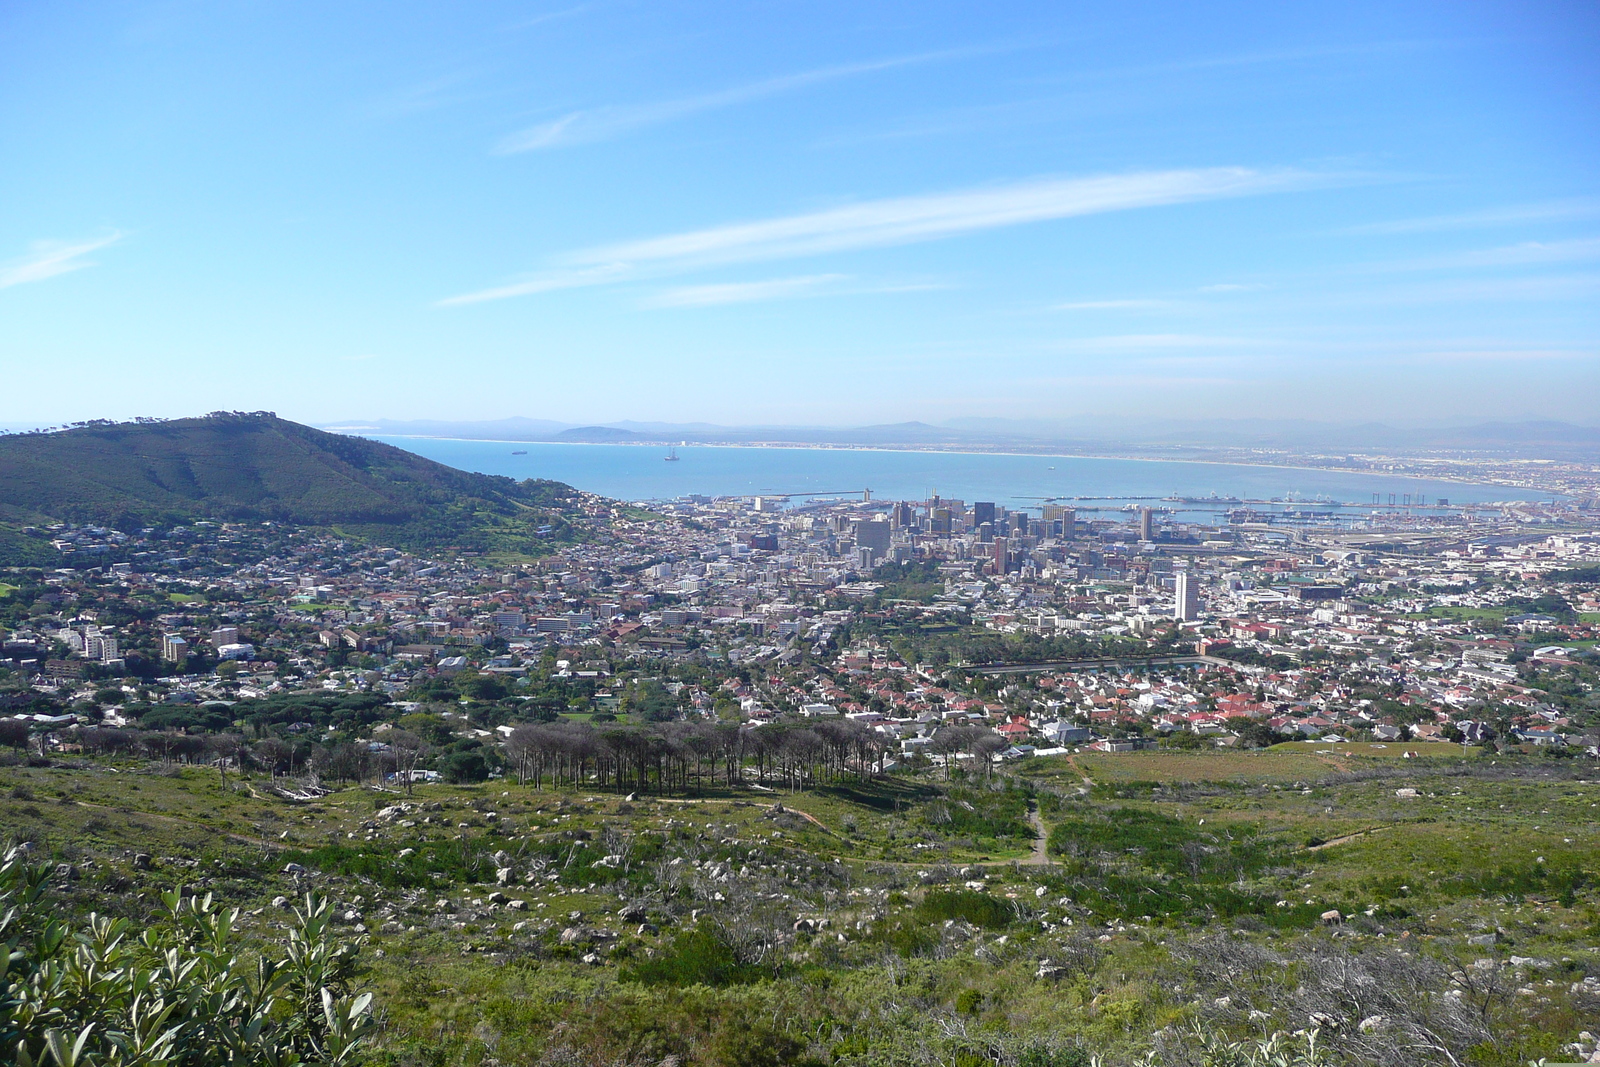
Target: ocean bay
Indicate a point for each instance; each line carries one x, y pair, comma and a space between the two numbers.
639, 472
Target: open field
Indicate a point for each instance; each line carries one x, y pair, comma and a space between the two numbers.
628, 930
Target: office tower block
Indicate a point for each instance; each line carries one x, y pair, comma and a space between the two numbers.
1187, 604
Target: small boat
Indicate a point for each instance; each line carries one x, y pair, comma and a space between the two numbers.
520, 452
671, 456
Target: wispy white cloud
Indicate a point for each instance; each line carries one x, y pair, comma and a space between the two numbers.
1113, 305
809, 285
905, 220
898, 221
1155, 342
1585, 207
1526, 253
543, 283
552, 16
604, 123
1500, 355
745, 292
51, 258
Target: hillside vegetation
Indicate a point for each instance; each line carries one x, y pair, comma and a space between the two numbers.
1182, 915
233, 466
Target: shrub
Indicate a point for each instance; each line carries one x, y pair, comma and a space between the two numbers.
182, 993
698, 957
969, 905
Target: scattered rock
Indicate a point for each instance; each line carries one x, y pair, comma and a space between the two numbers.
1371, 1024
142, 862
280, 902
1331, 917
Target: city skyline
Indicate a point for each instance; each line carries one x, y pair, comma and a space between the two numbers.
818, 216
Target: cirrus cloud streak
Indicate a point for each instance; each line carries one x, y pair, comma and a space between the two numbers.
50, 259
900, 221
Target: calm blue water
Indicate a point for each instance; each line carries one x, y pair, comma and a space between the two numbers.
638, 472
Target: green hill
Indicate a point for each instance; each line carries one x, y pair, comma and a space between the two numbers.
257, 467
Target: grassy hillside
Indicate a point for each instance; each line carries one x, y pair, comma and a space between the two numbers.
241, 467
1177, 893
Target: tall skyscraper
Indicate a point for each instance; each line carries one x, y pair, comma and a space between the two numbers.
1147, 524
1064, 515
873, 535
1000, 555
1187, 602
982, 512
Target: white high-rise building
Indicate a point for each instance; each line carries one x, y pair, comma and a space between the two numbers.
1187, 606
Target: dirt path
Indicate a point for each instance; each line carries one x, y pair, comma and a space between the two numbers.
1342, 839
1041, 839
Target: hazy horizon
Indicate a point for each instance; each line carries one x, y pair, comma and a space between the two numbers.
825, 215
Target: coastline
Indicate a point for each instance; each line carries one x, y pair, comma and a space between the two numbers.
967, 450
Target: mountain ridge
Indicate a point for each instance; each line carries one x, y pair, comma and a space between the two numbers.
237, 466
1531, 438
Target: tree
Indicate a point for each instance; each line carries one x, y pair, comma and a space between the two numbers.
468, 766
408, 749
984, 747
952, 739
14, 733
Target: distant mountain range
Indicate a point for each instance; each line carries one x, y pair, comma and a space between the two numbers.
255, 466
1532, 439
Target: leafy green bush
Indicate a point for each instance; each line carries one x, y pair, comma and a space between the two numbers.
698, 957
182, 993
969, 905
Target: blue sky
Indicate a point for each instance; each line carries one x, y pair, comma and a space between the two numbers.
800, 212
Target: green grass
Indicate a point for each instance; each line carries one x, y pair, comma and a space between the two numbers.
6, 590
1167, 849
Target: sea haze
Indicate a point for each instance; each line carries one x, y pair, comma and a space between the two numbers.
637, 472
